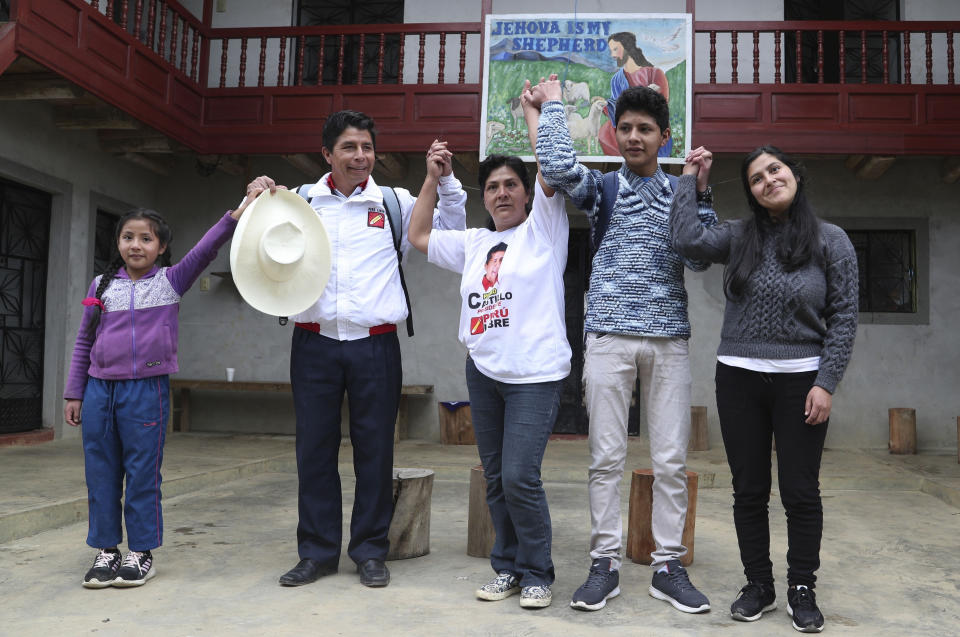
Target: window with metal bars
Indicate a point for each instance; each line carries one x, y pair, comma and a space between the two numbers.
349, 70
887, 260
850, 10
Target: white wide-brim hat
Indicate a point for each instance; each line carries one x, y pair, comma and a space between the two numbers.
280, 255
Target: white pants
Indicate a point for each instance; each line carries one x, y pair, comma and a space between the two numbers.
612, 364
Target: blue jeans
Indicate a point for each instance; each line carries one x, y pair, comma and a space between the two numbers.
512, 423
124, 427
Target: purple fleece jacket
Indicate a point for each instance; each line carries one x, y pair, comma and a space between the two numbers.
137, 333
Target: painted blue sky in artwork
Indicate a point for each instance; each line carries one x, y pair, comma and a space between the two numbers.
583, 38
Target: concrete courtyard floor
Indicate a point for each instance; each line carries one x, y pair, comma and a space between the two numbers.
890, 555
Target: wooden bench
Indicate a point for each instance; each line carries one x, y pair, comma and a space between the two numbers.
181, 388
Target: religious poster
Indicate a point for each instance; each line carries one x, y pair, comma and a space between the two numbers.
596, 57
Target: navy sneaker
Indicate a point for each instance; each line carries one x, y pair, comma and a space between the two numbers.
802, 606
603, 582
136, 569
104, 569
755, 599
673, 585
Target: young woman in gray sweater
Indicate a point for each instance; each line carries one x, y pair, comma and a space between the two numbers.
788, 330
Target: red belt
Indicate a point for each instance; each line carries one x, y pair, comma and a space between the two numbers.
386, 328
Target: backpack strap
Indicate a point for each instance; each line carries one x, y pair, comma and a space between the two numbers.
610, 185
673, 179
392, 204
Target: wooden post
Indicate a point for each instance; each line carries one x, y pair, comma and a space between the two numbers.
409, 533
903, 430
456, 425
640, 542
480, 533
699, 441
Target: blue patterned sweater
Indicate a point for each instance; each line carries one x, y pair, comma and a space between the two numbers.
636, 283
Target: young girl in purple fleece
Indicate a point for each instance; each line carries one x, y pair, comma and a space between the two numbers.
118, 386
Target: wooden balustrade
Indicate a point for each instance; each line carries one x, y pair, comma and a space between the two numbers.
152, 21
351, 60
935, 34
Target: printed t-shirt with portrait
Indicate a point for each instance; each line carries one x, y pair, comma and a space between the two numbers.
512, 308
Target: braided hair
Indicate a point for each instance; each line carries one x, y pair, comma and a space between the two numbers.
164, 235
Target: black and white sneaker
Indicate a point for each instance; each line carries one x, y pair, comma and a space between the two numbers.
755, 599
673, 585
535, 597
802, 606
136, 569
501, 587
104, 569
603, 582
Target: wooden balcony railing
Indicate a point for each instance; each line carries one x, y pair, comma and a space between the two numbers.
285, 49
164, 26
937, 41
821, 87
828, 87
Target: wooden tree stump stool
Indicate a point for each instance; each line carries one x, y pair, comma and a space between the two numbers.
640, 542
903, 430
699, 441
480, 533
456, 425
409, 533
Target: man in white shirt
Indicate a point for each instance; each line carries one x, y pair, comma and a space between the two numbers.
347, 342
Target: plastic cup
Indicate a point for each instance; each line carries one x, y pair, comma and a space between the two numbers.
230, 372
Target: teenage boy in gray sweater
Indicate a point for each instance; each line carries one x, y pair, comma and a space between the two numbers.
637, 327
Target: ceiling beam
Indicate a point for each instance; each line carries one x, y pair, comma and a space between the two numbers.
159, 164
307, 163
37, 86
870, 167
392, 166
469, 161
142, 141
950, 171
231, 164
88, 116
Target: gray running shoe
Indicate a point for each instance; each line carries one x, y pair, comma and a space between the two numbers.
603, 582
674, 586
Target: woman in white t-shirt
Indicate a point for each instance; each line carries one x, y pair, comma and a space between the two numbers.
512, 324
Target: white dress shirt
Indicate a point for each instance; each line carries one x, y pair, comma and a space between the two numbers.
364, 287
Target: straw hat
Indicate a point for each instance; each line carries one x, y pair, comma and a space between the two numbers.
280, 255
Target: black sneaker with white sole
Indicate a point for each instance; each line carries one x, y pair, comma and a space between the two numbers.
136, 569
673, 585
802, 606
104, 569
755, 599
603, 582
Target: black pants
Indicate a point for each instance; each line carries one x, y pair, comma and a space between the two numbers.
368, 369
753, 407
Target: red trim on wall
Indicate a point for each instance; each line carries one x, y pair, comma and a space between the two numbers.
34, 437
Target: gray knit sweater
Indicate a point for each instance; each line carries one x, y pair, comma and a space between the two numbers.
636, 284
811, 311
